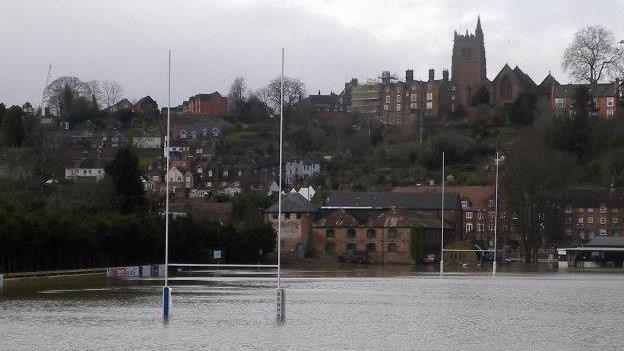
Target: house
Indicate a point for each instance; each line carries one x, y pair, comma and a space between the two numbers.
120, 105
381, 223
307, 192
606, 98
297, 217
147, 141
146, 108
80, 174
594, 212
326, 107
212, 104
298, 169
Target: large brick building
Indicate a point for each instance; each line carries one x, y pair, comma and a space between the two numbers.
212, 104
607, 97
592, 212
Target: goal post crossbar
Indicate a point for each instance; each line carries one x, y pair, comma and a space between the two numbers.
224, 265
458, 250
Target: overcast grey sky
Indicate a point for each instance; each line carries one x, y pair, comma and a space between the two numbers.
327, 42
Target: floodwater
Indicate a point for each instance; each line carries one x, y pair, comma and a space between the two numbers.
353, 310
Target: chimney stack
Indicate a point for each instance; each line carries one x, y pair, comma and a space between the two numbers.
385, 77
445, 75
431, 74
409, 75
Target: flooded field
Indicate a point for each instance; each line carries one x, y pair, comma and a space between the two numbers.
352, 310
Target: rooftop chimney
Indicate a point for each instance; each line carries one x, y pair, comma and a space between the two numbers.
445, 75
385, 77
431, 74
409, 75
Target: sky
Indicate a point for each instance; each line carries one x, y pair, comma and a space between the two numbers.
326, 42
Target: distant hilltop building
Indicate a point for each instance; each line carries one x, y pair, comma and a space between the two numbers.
467, 91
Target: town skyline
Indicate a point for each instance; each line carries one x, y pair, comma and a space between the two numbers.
356, 49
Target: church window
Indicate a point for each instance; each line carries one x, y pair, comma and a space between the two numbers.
505, 88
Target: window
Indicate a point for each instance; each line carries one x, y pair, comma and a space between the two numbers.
371, 233
603, 209
330, 248
603, 220
568, 210
603, 232
506, 91
580, 220
398, 107
392, 247
609, 112
610, 101
414, 106
429, 96
385, 107
351, 247
371, 247
414, 97
429, 105
479, 215
469, 227
392, 233
590, 220
491, 227
559, 102
615, 220
469, 215
387, 99
351, 233
398, 99
330, 233
286, 215
480, 227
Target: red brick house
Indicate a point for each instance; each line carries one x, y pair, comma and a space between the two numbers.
146, 108
206, 105
122, 104
297, 217
606, 96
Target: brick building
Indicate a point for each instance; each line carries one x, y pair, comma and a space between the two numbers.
380, 224
326, 107
607, 97
297, 217
146, 108
212, 104
592, 212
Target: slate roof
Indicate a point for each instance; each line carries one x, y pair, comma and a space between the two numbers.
596, 90
293, 202
388, 200
595, 197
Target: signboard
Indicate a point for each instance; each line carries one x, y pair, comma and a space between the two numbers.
216, 254
561, 252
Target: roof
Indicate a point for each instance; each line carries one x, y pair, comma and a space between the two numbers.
146, 99
595, 197
212, 211
606, 241
207, 96
293, 202
331, 99
387, 200
596, 90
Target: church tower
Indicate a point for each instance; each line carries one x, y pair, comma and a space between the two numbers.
468, 66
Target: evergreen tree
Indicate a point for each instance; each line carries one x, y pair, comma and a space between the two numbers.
124, 172
2, 111
12, 132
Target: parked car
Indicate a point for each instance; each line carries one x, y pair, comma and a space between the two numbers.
354, 257
429, 259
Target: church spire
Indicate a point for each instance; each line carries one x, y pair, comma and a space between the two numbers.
479, 31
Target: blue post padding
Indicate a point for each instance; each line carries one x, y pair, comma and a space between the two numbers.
166, 301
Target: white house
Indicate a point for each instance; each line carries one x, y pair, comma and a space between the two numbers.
84, 174
147, 142
300, 169
307, 193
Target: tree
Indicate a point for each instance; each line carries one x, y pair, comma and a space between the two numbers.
112, 92
523, 110
124, 172
55, 92
92, 89
534, 180
12, 132
416, 244
2, 112
592, 55
237, 95
481, 97
572, 132
294, 92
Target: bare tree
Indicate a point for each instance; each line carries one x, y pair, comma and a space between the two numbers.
54, 91
593, 55
92, 89
112, 92
294, 92
237, 94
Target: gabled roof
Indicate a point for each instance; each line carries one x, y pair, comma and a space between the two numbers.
331, 99
388, 200
207, 96
146, 100
293, 202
